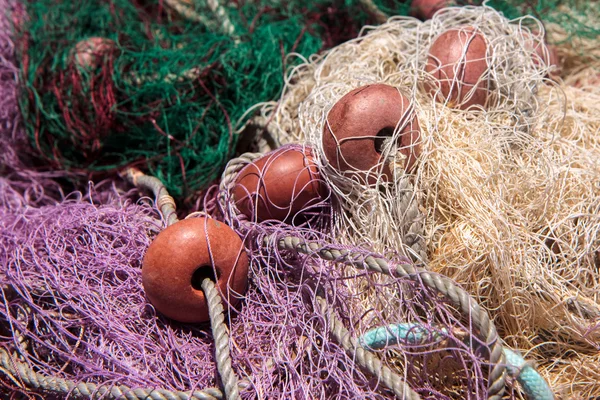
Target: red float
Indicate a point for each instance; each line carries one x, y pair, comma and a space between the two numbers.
179, 259
457, 61
278, 185
358, 124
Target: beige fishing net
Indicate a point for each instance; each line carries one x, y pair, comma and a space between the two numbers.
505, 199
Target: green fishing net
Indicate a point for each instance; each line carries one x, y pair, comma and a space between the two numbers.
165, 89
580, 19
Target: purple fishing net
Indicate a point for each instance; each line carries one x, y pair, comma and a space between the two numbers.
74, 307
12, 134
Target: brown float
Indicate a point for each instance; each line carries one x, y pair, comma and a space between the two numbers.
457, 61
278, 185
358, 124
182, 256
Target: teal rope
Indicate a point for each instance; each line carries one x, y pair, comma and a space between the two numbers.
533, 384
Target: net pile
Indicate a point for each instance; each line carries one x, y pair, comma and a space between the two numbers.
74, 308
73, 303
163, 85
508, 195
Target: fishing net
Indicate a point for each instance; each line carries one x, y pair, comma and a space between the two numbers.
577, 20
164, 85
281, 347
501, 202
507, 195
75, 321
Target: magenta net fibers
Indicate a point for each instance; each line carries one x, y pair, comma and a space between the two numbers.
74, 307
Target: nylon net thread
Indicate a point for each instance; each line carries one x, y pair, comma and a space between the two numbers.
74, 254
508, 195
73, 234
145, 96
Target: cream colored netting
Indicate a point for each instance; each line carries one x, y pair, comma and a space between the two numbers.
508, 196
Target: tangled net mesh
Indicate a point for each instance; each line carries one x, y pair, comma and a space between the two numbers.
73, 304
74, 307
514, 180
158, 84
161, 85
508, 194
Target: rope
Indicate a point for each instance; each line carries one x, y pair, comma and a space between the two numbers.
217, 323
223, 18
164, 202
188, 13
533, 384
23, 374
234, 166
372, 9
365, 359
460, 298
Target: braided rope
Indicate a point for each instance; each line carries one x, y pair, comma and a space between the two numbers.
234, 166
532, 383
217, 322
187, 75
372, 9
459, 297
164, 202
187, 12
365, 359
222, 16
21, 373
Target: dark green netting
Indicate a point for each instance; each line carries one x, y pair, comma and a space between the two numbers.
579, 19
137, 106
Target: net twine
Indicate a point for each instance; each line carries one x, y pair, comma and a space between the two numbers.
497, 185
398, 49
23, 374
177, 88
